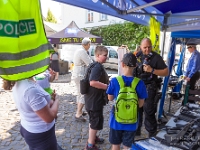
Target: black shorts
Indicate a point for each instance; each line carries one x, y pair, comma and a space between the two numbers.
96, 119
117, 137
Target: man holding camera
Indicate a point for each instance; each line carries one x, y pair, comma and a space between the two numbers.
150, 66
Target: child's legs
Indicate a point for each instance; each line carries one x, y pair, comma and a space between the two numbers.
115, 138
92, 136
96, 123
128, 138
116, 147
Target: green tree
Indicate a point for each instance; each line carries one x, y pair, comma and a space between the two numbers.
50, 17
127, 33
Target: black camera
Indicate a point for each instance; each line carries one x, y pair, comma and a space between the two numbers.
145, 62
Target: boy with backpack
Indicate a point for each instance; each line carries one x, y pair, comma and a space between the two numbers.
96, 97
129, 93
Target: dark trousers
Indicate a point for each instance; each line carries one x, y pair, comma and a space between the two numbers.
140, 118
40, 141
150, 109
194, 79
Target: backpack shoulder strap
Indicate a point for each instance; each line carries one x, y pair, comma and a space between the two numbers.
89, 69
120, 81
135, 82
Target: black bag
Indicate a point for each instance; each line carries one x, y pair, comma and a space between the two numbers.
84, 83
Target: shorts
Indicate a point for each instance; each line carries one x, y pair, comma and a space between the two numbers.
79, 97
117, 137
96, 119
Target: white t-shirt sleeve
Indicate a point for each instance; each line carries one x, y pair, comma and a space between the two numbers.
35, 98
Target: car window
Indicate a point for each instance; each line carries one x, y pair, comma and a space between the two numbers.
112, 53
92, 52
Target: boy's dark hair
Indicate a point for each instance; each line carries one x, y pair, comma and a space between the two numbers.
99, 49
129, 59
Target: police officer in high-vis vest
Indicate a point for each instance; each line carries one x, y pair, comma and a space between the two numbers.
150, 65
24, 48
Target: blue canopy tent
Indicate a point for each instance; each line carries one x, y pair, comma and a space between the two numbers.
174, 15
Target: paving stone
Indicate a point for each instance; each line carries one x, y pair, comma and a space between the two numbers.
71, 135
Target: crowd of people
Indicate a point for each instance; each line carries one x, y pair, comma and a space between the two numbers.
38, 104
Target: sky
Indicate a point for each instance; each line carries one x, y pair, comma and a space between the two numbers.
55, 8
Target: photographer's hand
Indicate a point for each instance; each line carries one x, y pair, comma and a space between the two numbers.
147, 68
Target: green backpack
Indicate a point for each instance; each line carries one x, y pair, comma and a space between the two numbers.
126, 106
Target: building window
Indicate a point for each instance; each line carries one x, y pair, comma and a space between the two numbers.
89, 16
103, 17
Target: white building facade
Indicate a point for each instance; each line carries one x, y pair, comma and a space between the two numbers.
85, 18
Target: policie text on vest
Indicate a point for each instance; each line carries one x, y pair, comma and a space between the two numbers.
16, 29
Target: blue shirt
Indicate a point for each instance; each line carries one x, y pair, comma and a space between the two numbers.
113, 89
193, 64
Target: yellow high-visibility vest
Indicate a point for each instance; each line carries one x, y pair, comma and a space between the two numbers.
24, 48
155, 34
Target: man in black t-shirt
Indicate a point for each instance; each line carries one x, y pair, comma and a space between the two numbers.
95, 99
152, 66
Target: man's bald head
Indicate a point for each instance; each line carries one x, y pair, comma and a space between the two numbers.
146, 46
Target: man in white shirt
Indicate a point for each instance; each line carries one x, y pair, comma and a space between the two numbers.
81, 61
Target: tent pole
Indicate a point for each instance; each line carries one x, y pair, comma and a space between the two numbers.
164, 34
163, 43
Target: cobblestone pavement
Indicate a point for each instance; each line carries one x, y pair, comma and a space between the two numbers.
71, 135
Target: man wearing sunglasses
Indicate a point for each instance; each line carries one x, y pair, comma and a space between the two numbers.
192, 73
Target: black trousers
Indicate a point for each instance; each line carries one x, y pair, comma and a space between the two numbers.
149, 110
40, 141
194, 79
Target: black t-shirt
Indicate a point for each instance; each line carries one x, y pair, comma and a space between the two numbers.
156, 62
94, 99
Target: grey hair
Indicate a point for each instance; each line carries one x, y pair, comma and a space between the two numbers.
86, 41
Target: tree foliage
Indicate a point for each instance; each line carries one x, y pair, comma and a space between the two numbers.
128, 33
50, 17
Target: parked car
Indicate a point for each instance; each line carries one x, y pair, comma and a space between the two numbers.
67, 53
112, 58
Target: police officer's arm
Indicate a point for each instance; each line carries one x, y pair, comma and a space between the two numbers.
141, 102
158, 72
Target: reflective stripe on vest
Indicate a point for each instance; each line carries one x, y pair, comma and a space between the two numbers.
24, 48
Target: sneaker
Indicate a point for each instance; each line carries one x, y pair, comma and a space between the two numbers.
94, 147
99, 140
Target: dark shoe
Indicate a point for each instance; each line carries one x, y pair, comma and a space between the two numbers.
94, 147
81, 118
84, 113
138, 132
99, 140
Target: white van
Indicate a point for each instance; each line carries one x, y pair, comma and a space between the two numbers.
67, 53
112, 58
